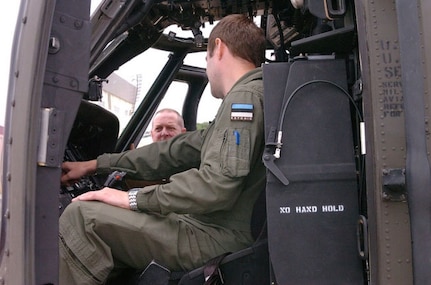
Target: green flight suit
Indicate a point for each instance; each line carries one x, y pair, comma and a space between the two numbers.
205, 210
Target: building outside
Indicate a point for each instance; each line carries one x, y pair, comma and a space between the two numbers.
119, 96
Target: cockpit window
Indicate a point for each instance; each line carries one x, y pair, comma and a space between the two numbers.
124, 90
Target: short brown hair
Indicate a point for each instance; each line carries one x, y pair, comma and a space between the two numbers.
169, 110
241, 35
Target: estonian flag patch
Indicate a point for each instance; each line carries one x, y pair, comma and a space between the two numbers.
241, 112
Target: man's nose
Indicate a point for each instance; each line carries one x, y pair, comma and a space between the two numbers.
165, 132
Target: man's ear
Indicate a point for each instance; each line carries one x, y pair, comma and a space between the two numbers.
219, 49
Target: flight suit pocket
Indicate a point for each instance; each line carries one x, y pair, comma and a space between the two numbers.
235, 153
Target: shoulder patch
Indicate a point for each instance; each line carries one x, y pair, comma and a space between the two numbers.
241, 112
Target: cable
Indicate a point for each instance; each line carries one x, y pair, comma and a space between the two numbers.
283, 113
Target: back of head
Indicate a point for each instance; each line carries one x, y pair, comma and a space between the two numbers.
241, 35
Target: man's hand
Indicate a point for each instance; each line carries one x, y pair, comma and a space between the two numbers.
73, 171
106, 195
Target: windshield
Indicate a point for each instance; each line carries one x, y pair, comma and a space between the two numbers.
124, 90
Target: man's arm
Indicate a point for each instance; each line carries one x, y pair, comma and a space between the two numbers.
153, 162
157, 160
106, 195
73, 171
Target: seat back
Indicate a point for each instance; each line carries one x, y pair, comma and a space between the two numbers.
258, 217
312, 192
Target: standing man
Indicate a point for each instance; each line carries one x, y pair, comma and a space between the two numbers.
167, 123
215, 175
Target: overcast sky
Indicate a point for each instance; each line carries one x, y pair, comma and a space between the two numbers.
7, 22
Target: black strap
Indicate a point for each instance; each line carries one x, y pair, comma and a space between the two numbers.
212, 273
269, 158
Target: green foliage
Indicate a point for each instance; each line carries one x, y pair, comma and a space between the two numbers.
201, 126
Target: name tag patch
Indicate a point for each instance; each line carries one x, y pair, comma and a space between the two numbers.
241, 112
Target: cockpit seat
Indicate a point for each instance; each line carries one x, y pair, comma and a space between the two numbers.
249, 266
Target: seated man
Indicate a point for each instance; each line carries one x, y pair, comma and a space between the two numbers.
215, 175
167, 123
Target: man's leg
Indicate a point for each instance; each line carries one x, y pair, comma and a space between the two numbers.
95, 237
84, 257
93, 233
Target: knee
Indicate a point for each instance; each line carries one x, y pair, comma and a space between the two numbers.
73, 219
73, 213
72, 208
